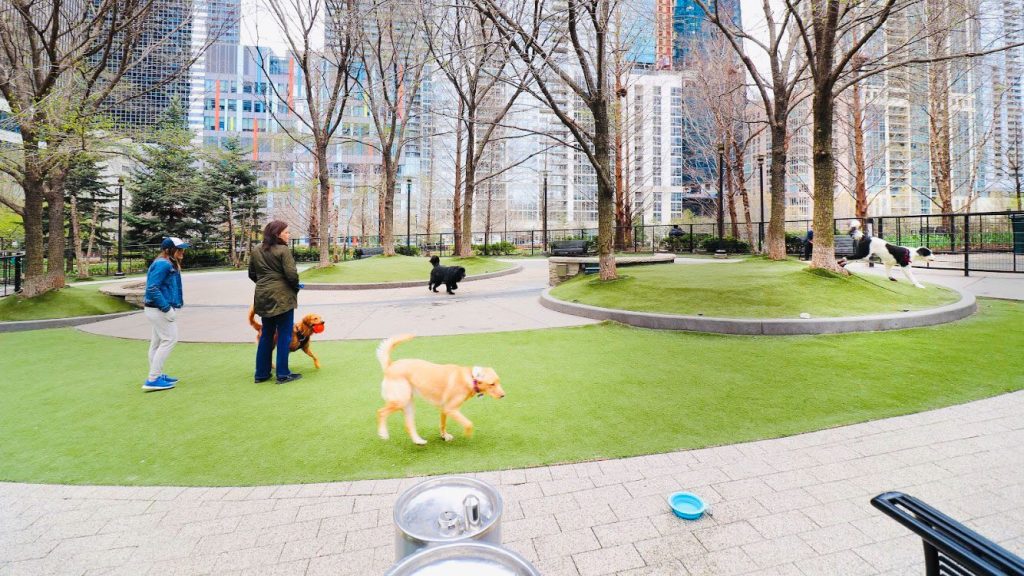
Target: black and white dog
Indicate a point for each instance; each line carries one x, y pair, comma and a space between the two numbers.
889, 254
450, 276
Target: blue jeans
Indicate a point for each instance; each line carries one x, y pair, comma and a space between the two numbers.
282, 326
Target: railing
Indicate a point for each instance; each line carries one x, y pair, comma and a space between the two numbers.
978, 241
11, 272
949, 546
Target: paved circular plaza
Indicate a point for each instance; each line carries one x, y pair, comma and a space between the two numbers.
795, 505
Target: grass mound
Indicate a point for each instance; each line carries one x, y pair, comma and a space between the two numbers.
574, 394
396, 269
64, 303
753, 288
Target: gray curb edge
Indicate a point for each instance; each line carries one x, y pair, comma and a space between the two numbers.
966, 306
24, 325
410, 284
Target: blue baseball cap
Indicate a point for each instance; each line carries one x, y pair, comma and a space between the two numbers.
172, 242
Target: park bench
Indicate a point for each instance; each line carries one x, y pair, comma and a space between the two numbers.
568, 247
844, 246
375, 251
949, 546
591, 268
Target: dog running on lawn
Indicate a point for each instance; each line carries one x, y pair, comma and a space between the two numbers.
450, 276
302, 333
889, 254
446, 386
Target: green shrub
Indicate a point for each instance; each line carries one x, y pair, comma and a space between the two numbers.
495, 249
685, 242
729, 244
305, 254
404, 250
794, 243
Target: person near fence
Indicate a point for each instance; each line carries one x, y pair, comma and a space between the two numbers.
808, 244
675, 232
272, 268
162, 301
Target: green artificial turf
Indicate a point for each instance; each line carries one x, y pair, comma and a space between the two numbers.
753, 288
396, 269
73, 411
64, 303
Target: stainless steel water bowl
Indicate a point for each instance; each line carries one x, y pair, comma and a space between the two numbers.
445, 510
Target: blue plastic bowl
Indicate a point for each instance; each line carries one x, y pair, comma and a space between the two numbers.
686, 505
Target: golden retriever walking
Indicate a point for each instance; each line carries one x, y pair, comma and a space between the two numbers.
446, 386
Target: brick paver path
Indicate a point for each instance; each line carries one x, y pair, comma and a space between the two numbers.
797, 505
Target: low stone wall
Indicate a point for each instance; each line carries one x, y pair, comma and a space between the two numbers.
133, 292
562, 268
770, 326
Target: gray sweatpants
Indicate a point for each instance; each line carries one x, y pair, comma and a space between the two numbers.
165, 336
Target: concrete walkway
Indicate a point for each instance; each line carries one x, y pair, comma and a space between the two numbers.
217, 305
791, 506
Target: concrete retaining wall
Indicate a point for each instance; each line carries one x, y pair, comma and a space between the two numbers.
770, 326
409, 284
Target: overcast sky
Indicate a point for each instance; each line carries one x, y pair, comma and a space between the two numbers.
259, 28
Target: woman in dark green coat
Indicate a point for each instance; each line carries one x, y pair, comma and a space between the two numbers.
272, 268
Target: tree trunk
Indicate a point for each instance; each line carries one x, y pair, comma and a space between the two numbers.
620, 164
314, 212
35, 193
457, 196
823, 254
387, 223
231, 233
776, 238
605, 190
76, 238
324, 205
466, 249
741, 185
92, 229
860, 189
938, 107
730, 192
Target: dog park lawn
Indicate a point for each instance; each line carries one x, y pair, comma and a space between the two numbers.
73, 411
65, 303
752, 288
396, 269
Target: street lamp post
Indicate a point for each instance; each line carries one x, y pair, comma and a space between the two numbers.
721, 212
408, 212
545, 224
120, 215
760, 232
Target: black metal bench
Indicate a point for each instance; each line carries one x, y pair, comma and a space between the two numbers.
375, 251
568, 247
844, 246
949, 546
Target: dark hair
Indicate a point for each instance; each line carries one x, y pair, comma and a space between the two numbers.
271, 234
170, 254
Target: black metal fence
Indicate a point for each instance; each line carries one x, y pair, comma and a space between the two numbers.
977, 241
11, 271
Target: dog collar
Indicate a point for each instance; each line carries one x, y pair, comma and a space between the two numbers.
476, 388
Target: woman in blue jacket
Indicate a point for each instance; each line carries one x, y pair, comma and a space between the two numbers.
163, 300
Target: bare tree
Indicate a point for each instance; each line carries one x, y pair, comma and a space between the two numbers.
568, 46
777, 92
61, 68
391, 57
466, 47
326, 88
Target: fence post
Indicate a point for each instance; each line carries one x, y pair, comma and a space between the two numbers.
691, 240
533, 241
17, 274
967, 244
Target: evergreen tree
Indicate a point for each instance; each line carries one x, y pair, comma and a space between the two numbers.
168, 195
95, 198
231, 179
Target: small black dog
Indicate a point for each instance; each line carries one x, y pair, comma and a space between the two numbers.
450, 276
